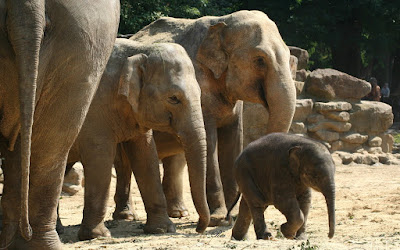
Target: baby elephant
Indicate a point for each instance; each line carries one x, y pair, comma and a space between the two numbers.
280, 169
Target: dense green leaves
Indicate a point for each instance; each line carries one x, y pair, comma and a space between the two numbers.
359, 37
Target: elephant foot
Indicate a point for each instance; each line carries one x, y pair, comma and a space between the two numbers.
266, 236
125, 214
302, 236
40, 240
289, 234
177, 209
155, 225
8, 233
100, 231
218, 218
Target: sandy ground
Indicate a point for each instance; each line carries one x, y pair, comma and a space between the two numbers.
367, 215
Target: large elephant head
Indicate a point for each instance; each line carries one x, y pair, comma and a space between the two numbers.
314, 166
162, 90
246, 51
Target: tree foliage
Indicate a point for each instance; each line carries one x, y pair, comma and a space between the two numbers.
359, 37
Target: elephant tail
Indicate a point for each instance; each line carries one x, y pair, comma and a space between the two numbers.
26, 23
228, 214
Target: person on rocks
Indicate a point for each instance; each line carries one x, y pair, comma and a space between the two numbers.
375, 94
385, 91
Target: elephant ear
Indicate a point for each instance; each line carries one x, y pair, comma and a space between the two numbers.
294, 161
131, 79
211, 52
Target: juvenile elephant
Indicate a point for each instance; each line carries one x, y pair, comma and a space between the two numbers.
143, 87
280, 169
52, 55
236, 57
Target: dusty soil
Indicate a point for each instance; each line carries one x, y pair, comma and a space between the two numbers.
367, 215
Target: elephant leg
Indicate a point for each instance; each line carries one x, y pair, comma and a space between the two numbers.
144, 162
173, 185
230, 145
242, 222
59, 226
122, 197
215, 193
97, 159
10, 200
289, 207
45, 188
304, 203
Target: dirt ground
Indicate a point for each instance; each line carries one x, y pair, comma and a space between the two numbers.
367, 216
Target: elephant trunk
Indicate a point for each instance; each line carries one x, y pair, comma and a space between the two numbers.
280, 94
330, 202
193, 137
25, 23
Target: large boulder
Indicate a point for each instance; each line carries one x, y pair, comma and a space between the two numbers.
330, 84
371, 117
302, 56
304, 108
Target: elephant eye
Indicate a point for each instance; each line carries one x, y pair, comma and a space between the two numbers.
173, 100
260, 62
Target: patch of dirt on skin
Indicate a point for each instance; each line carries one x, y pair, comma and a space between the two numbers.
367, 217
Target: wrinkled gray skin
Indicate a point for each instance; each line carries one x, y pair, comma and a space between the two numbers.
236, 57
142, 88
52, 55
280, 169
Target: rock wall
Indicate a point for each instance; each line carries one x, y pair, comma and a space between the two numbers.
329, 108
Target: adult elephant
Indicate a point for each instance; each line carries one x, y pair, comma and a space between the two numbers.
52, 55
237, 57
143, 87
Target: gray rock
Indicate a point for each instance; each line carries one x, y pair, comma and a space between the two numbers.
301, 75
293, 66
330, 84
315, 118
303, 109
374, 141
336, 145
73, 180
327, 136
302, 56
329, 125
354, 138
332, 106
374, 150
299, 88
387, 143
298, 128
342, 116
371, 117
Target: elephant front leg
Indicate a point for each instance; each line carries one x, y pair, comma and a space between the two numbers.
230, 145
304, 203
289, 207
97, 160
144, 162
215, 193
122, 197
172, 185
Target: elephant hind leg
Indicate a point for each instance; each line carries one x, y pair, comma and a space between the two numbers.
122, 197
172, 185
242, 222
